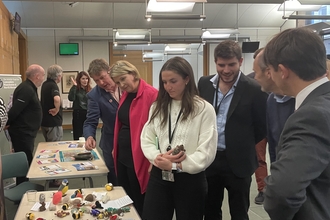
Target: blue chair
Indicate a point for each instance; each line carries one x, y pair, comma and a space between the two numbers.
16, 165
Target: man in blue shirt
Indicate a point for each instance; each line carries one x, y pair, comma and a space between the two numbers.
240, 106
279, 106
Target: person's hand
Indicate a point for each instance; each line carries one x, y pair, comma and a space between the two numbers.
73, 81
175, 158
90, 143
53, 111
163, 163
6, 127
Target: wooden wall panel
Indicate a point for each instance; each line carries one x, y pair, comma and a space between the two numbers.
9, 49
134, 57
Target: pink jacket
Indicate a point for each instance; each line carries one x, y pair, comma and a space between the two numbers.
139, 112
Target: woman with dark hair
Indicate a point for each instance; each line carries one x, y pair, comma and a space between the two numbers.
180, 140
81, 86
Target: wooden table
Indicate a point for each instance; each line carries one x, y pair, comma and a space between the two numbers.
25, 206
36, 174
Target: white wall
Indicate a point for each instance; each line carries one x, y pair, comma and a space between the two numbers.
192, 59
43, 50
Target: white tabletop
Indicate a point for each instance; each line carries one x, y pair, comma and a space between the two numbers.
25, 206
35, 173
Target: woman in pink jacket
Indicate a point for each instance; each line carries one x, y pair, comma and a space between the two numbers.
130, 164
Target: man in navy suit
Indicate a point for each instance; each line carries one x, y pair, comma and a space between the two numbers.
102, 104
240, 106
299, 185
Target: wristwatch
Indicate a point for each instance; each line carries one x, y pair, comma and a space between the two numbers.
176, 168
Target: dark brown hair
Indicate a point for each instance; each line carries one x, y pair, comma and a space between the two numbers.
299, 49
81, 74
184, 69
227, 49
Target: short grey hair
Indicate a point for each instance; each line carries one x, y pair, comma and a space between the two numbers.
54, 71
33, 70
261, 62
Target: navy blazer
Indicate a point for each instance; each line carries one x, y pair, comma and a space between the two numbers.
101, 105
299, 185
245, 126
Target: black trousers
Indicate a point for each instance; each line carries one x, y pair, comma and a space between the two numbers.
238, 191
22, 143
128, 180
186, 195
78, 119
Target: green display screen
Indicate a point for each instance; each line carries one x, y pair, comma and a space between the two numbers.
69, 48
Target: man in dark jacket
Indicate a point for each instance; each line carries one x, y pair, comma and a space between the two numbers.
24, 117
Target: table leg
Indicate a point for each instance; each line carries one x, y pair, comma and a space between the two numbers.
91, 185
47, 185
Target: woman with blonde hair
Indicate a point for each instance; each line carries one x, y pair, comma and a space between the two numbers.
130, 164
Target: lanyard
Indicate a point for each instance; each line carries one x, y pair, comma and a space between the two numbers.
170, 135
217, 106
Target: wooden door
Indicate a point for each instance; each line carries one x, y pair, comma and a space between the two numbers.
135, 58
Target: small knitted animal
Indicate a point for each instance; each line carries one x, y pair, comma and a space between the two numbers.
178, 149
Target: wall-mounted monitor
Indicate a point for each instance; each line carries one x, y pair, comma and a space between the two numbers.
17, 23
250, 46
69, 48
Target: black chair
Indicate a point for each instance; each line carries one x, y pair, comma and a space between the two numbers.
16, 165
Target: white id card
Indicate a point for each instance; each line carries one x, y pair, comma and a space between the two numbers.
168, 176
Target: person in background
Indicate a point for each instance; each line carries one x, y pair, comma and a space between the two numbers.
279, 106
298, 186
103, 101
177, 109
51, 124
261, 171
24, 117
240, 107
130, 163
77, 94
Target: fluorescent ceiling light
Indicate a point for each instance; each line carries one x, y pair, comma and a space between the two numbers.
175, 17
295, 5
153, 55
129, 36
222, 31
208, 35
176, 47
167, 48
154, 6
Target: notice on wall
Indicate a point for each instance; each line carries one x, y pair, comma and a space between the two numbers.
8, 83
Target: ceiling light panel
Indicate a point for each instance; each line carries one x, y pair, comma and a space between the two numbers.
129, 36
296, 6
223, 31
154, 6
124, 34
208, 35
153, 55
